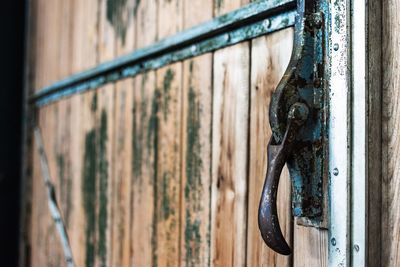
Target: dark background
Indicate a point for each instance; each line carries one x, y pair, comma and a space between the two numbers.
12, 23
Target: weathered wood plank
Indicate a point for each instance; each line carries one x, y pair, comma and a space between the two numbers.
143, 145
169, 18
224, 6
121, 15
270, 56
83, 227
390, 134
196, 12
374, 124
143, 238
146, 23
229, 158
196, 146
169, 86
107, 194
310, 246
168, 167
196, 161
45, 241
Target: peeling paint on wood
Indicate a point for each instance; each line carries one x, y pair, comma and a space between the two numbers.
120, 14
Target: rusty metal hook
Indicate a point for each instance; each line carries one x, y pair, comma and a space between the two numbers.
278, 153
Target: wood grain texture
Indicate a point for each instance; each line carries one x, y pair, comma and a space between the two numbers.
196, 12
46, 246
169, 18
168, 168
310, 247
84, 45
374, 124
144, 147
229, 158
143, 238
391, 137
224, 6
146, 23
124, 22
196, 161
169, 86
269, 58
196, 146
108, 194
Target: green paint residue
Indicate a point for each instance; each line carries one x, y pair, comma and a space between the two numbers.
153, 121
119, 14
103, 186
168, 78
61, 168
166, 209
89, 195
144, 144
139, 132
95, 176
193, 187
192, 242
219, 4
93, 106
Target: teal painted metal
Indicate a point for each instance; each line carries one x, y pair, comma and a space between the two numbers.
251, 21
305, 148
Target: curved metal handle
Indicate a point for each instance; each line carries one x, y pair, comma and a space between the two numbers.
278, 154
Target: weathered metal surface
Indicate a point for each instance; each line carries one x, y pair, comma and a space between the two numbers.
278, 154
303, 82
52, 201
254, 20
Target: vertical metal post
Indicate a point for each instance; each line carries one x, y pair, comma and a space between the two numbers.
359, 156
339, 133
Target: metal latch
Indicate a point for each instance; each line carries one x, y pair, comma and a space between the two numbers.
298, 121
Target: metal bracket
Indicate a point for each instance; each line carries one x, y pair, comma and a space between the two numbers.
303, 83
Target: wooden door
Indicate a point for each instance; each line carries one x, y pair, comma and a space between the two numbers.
164, 167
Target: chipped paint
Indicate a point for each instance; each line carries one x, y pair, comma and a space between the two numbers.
304, 150
166, 92
218, 4
120, 14
193, 190
89, 195
103, 188
139, 132
95, 190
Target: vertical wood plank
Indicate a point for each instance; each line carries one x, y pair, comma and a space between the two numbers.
146, 21
107, 192
224, 6
375, 183
196, 12
390, 134
169, 18
143, 238
196, 146
229, 158
270, 56
169, 86
168, 168
310, 246
143, 145
121, 15
84, 45
196, 161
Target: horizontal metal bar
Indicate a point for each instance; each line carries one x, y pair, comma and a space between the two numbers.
253, 20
